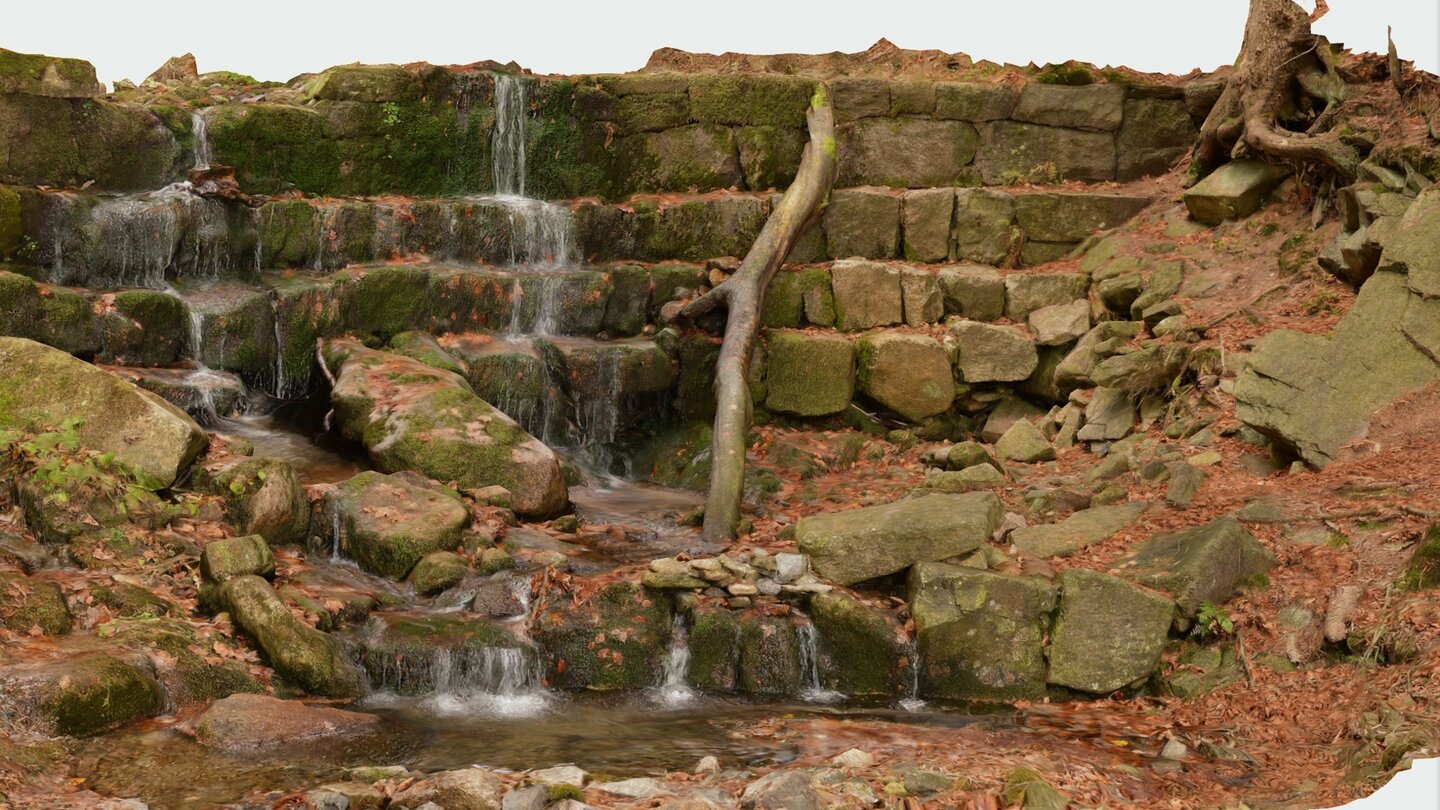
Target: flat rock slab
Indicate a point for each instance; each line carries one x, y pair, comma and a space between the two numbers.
1205, 564
246, 722
1076, 532
853, 546
1233, 191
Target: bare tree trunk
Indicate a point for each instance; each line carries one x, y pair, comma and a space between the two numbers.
744, 293
1284, 72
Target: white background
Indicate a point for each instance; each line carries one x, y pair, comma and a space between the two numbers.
278, 39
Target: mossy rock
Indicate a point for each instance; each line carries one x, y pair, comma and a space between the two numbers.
743, 99
1203, 670
714, 649
299, 653
12, 226
422, 346
614, 641
74, 142
410, 654
185, 672
263, 496
438, 571
89, 694
629, 301
770, 662
223, 560
49, 76
148, 329
862, 649
1422, 571
148, 436
275, 147
27, 603
132, 601
55, 316
809, 375
412, 417
678, 456
388, 524
369, 83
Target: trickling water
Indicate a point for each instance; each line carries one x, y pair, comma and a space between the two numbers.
497, 681
810, 687
507, 148
597, 415
912, 701
542, 234
200, 132
675, 688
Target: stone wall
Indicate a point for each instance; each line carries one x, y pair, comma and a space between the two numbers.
369, 130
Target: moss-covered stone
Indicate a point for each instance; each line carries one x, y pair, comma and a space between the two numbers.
236, 330
614, 641
388, 524
299, 653
1422, 571
275, 147
371, 83
905, 152
147, 329
412, 417
12, 225
182, 666
73, 142
263, 496
27, 603
809, 375
695, 230
223, 560
1108, 633
438, 571
88, 694
49, 76
908, 374
55, 316
770, 662
1205, 564
748, 99
629, 301
862, 544
1013, 152
980, 634
789, 298
147, 435
1202, 670
769, 156
862, 649
422, 346
714, 649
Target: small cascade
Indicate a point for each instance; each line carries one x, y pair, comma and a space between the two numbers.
912, 702
542, 234
597, 418
811, 690
675, 689
507, 147
200, 133
497, 681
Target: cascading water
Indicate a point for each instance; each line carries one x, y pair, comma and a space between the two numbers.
675, 689
200, 133
811, 689
507, 146
498, 681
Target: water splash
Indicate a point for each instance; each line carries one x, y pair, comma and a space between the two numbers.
200, 132
811, 690
507, 147
674, 689
495, 681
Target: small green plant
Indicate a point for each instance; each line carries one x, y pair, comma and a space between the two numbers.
392, 113
1072, 74
1211, 621
1323, 302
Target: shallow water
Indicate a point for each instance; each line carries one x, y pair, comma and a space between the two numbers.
609, 735
318, 458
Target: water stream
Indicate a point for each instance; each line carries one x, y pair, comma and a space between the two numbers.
200, 133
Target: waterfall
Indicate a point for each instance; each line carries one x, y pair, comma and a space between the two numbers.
542, 234
597, 416
810, 688
507, 147
496, 681
674, 689
200, 132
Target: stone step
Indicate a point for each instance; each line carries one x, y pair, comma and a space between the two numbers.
151, 239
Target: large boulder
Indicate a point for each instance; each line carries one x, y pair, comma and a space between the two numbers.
993, 353
1108, 633
300, 653
388, 524
909, 374
150, 437
49, 76
861, 544
979, 633
410, 416
1205, 564
1312, 394
467, 789
809, 374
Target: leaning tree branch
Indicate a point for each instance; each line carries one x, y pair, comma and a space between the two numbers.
744, 293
